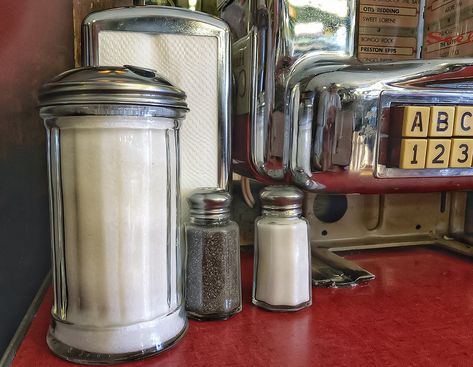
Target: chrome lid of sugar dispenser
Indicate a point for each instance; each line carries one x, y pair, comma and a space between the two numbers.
209, 201
281, 197
114, 85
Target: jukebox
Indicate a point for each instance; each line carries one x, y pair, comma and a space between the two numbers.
368, 106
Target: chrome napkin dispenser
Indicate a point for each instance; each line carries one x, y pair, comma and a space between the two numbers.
192, 50
309, 113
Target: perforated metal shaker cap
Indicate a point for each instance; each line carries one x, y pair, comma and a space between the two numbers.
281, 198
114, 85
210, 202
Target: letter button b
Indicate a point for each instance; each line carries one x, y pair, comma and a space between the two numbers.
441, 121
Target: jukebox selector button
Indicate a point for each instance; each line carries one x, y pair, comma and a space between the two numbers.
413, 153
441, 121
461, 154
438, 153
463, 121
415, 121
431, 137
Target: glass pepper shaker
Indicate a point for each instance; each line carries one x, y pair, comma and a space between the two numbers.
213, 283
282, 259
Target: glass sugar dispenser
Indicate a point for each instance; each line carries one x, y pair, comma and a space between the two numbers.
282, 259
112, 139
213, 281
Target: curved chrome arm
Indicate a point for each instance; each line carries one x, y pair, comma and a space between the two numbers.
301, 139
281, 37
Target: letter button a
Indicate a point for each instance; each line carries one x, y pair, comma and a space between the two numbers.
415, 122
463, 121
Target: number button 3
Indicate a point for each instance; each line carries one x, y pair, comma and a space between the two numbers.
461, 155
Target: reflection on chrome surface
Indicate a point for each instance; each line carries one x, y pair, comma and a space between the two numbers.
271, 37
286, 49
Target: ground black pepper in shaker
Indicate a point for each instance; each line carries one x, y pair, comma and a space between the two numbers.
213, 283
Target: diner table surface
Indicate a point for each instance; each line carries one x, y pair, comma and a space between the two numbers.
417, 312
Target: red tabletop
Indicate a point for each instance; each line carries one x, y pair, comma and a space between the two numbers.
418, 312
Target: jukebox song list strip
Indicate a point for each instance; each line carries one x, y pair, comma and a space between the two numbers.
387, 30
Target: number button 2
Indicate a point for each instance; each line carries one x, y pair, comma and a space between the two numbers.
438, 153
461, 155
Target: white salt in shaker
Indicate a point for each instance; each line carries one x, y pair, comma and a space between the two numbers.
282, 260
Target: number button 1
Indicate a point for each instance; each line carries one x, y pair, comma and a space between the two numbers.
461, 154
438, 153
413, 152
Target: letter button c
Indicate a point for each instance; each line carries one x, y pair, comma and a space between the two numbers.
463, 121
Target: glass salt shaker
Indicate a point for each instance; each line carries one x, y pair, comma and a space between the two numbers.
282, 259
213, 283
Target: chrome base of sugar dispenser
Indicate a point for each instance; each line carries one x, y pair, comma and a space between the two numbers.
75, 344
